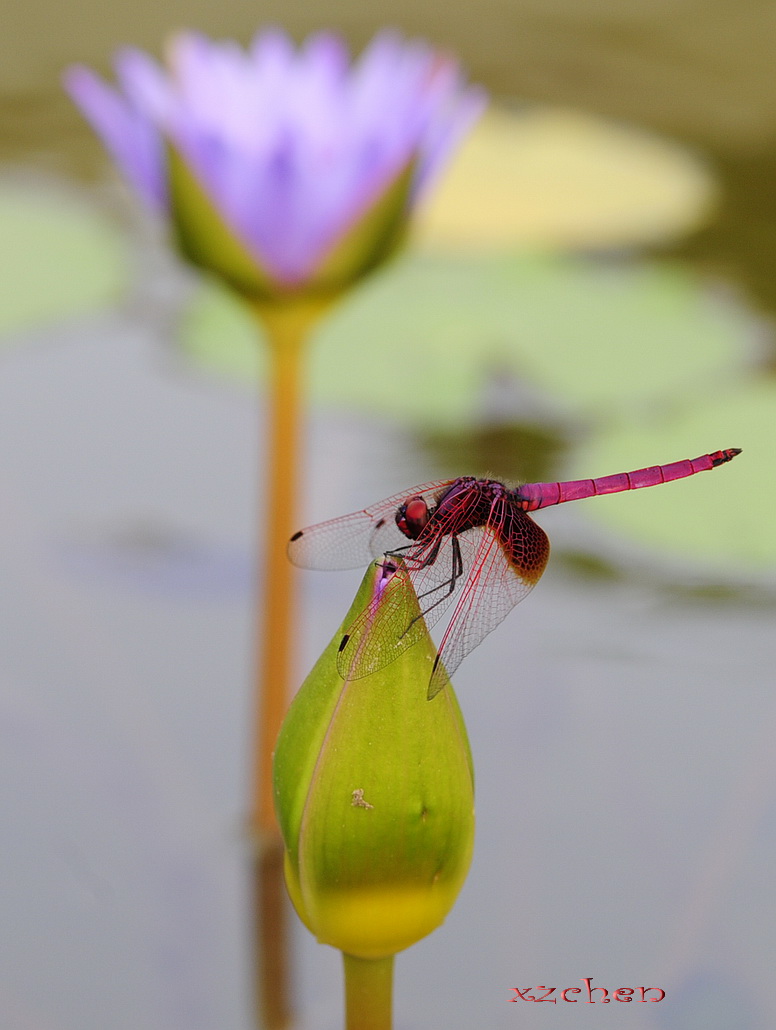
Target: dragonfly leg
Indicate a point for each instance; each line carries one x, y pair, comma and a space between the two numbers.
420, 561
455, 573
402, 551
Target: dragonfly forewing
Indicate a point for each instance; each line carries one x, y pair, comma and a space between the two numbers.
386, 628
352, 541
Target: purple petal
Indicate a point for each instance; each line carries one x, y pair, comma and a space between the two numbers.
129, 136
272, 53
198, 80
145, 85
325, 58
446, 133
265, 202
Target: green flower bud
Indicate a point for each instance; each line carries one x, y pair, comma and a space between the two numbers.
374, 792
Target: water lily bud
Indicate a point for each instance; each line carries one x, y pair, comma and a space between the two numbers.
282, 170
374, 793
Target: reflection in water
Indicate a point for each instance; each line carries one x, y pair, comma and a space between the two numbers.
710, 999
740, 243
271, 939
515, 453
516, 435
157, 559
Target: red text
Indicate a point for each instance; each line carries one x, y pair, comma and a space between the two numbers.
589, 994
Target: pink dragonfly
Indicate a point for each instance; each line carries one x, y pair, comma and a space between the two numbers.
468, 542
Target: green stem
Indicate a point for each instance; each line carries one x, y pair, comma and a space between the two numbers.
368, 993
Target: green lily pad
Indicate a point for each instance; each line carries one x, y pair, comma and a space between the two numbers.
724, 516
58, 257
423, 341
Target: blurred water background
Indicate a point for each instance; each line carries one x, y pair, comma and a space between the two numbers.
593, 292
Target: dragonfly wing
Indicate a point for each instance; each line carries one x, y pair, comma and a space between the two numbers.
352, 541
381, 632
378, 636
344, 543
504, 570
439, 583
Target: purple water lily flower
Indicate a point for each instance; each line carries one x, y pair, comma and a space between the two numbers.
292, 147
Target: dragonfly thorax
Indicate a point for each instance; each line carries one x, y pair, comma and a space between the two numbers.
466, 503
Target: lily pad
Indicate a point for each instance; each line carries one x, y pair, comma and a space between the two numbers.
58, 256
724, 516
423, 341
551, 177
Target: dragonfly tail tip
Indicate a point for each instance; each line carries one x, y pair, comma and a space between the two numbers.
722, 456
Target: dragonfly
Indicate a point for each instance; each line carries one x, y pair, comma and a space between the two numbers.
468, 544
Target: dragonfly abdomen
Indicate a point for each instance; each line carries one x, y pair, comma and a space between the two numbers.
543, 495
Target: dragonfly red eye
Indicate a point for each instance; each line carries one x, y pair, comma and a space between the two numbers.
412, 517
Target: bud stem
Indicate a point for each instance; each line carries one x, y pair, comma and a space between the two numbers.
368, 993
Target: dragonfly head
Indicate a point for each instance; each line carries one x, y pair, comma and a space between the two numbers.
412, 517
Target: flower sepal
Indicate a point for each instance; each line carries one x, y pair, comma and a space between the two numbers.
374, 237
204, 237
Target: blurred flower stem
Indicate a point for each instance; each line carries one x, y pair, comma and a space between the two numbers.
288, 327
368, 992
